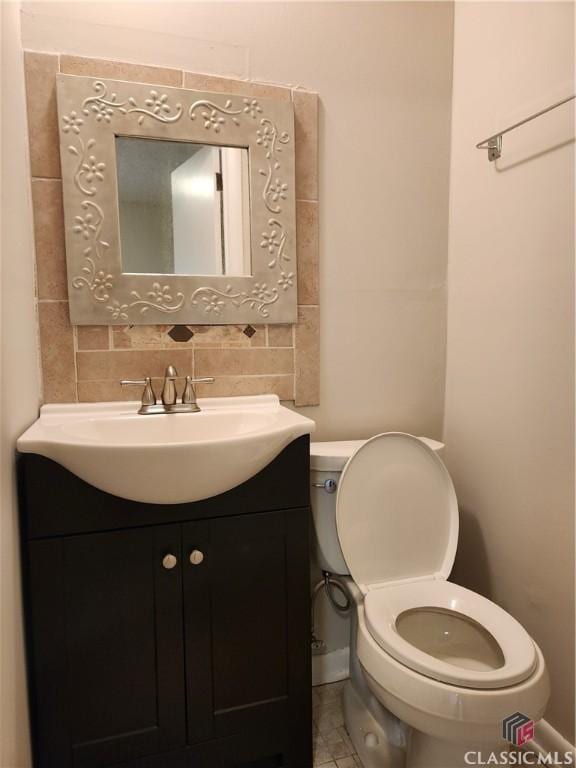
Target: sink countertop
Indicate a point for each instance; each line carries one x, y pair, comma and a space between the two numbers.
161, 458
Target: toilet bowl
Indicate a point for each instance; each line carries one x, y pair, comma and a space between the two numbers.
435, 667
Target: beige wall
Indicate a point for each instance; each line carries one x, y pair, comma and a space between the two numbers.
19, 381
383, 72
509, 390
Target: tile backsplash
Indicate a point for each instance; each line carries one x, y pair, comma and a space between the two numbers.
86, 363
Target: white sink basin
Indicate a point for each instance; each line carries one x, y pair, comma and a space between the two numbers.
165, 459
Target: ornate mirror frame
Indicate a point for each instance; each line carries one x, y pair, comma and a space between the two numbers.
92, 112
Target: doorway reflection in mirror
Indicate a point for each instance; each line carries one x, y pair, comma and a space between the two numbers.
184, 208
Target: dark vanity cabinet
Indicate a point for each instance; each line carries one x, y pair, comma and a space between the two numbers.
168, 636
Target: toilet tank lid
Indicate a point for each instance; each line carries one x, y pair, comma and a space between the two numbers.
333, 456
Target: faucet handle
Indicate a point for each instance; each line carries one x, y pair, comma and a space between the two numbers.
148, 396
189, 394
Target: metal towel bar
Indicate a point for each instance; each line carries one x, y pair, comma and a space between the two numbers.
494, 143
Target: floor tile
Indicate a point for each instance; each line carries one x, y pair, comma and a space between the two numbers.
347, 762
333, 747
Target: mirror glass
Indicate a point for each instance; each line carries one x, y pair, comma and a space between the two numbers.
183, 207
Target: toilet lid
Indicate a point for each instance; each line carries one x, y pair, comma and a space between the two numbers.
396, 512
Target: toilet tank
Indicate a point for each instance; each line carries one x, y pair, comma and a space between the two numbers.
327, 461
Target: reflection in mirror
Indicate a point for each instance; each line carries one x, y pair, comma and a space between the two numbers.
184, 208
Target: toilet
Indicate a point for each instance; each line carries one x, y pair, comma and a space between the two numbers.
434, 668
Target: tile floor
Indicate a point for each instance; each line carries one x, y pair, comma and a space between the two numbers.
332, 745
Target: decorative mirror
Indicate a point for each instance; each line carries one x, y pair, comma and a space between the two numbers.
179, 205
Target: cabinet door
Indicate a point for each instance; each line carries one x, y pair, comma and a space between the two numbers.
252, 587
106, 647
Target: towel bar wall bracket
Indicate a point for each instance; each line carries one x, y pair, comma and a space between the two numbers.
494, 147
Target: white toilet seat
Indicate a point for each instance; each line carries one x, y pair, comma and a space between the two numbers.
383, 607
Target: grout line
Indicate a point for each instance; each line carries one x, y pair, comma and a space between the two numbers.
252, 375
40, 300
34, 254
296, 376
191, 348
147, 349
39, 359
224, 376
46, 178
75, 356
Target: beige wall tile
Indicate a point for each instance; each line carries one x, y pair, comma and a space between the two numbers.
307, 357
93, 337
307, 237
216, 84
104, 390
49, 239
280, 336
306, 142
228, 336
57, 352
108, 390
228, 386
40, 71
144, 337
156, 337
119, 70
132, 364
239, 362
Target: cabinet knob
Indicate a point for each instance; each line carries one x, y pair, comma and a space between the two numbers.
169, 562
196, 557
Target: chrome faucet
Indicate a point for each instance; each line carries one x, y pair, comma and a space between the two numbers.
170, 402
